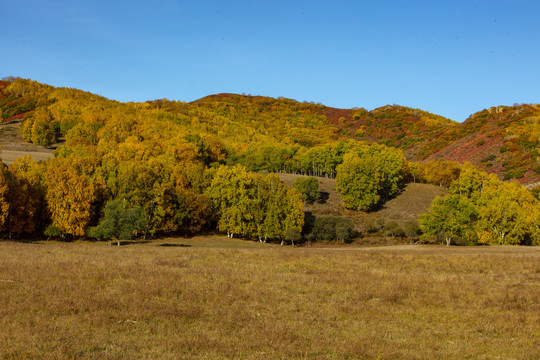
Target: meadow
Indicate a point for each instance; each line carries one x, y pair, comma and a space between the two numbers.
215, 298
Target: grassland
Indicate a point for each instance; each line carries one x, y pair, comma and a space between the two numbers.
212, 298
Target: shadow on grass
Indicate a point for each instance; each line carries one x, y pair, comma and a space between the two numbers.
132, 242
174, 245
323, 197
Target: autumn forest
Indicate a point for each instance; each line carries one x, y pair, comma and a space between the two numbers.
161, 167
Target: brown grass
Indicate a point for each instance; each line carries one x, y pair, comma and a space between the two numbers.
92, 301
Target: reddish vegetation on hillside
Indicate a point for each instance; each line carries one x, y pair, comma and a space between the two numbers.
503, 140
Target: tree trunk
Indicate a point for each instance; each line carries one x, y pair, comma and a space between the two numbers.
448, 240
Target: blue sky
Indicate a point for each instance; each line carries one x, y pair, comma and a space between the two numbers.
451, 58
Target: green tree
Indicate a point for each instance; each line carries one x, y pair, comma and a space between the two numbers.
332, 228
369, 174
252, 205
308, 188
118, 222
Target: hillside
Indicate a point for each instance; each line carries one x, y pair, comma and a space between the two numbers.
263, 130
503, 140
414, 200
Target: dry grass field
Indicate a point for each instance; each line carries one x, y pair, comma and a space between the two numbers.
213, 298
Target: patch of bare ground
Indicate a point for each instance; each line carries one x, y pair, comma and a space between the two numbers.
14, 146
92, 301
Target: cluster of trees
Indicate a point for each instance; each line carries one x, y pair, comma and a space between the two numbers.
281, 134
255, 205
481, 209
132, 163
108, 198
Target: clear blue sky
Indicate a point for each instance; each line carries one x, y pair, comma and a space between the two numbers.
452, 58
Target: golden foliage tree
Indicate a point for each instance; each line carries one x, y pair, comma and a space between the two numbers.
72, 196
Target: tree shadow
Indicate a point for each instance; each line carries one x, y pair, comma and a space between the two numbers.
131, 242
174, 245
323, 197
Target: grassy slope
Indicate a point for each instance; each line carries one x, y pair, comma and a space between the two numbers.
14, 146
91, 301
413, 201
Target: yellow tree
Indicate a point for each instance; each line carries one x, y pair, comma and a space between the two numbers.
26, 196
503, 217
72, 196
4, 196
471, 181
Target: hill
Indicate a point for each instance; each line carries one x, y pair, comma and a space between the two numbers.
503, 140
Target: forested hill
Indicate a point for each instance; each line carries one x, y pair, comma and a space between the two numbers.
250, 129
503, 140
